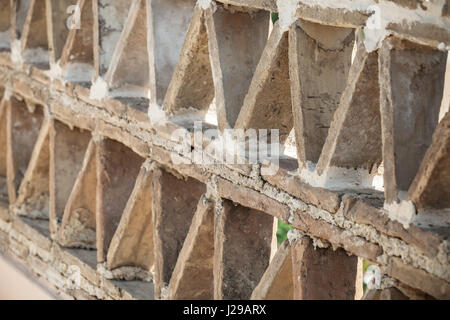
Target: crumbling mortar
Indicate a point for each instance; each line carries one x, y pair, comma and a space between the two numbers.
390, 245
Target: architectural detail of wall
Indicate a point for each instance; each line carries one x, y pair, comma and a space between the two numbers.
100, 196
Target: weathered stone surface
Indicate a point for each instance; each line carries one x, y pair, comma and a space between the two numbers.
165, 157
292, 184
277, 282
192, 277
84, 260
185, 91
363, 212
23, 127
320, 59
132, 244
411, 82
420, 279
431, 186
174, 203
34, 229
242, 245
335, 235
67, 149
112, 132
354, 138
332, 16
252, 199
236, 42
18, 249
117, 169
267, 104
79, 222
322, 273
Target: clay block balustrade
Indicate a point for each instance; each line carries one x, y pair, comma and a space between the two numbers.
323, 273
78, 223
277, 283
122, 77
301, 271
243, 241
132, 243
174, 203
23, 130
267, 104
117, 170
430, 188
99, 196
222, 66
193, 275
320, 58
233, 64
410, 107
354, 137
183, 90
88, 145
67, 150
33, 193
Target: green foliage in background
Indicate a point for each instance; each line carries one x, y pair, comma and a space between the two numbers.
366, 264
282, 231
274, 16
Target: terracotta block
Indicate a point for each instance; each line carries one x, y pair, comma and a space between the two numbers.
322, 274
23, 127
267, 104
183, 90
192, 277
412, 85
67, 150
236, 42
174, 202
277, 282
78, 223
242, 248
117, 169
320, 59
132, 243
